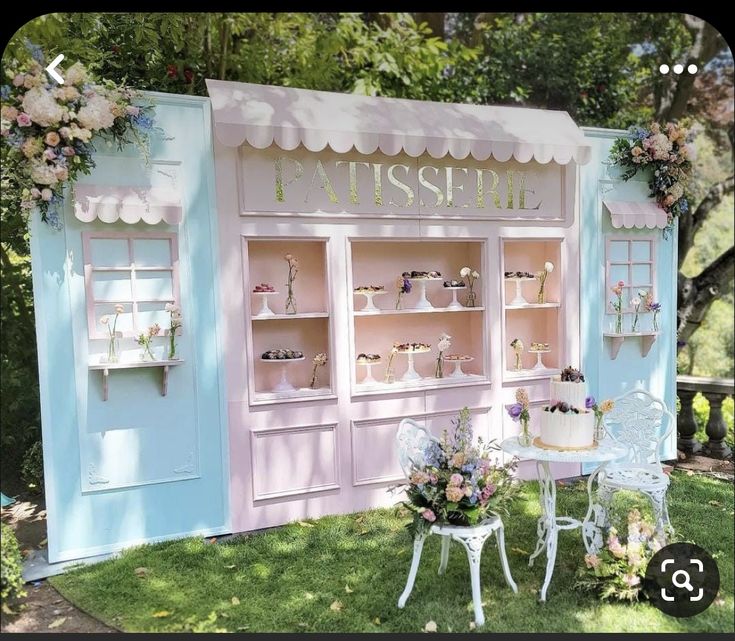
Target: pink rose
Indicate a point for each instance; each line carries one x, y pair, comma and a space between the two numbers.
23, 120
61, 173
454, 493
49, 154
621, 283
19, 80
47, 194
429, 515
68, 151
52, 139
456, 479
35, 193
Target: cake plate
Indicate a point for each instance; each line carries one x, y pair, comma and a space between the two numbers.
423, 302
411, 373
519, 300
369, 371
283, 385
457, 362
539, 363
264, 309
369, 305
455, 304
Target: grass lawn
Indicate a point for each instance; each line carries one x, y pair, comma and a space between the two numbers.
345, 573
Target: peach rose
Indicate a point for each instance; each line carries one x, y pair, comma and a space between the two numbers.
52, 139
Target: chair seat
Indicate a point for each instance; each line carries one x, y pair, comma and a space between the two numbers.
633, 477
487, 526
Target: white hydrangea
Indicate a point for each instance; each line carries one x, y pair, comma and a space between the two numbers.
42, 107
43, 173
96, 114
76, 74
660, 146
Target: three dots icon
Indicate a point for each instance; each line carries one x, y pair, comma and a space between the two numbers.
678, 69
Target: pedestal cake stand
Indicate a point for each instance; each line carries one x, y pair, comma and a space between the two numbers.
369, 305
283, 385
264, 309
423, 302
411, 373
455, 304
519, 300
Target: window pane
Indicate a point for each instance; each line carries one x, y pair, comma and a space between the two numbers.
111, 286
108, 252
149, 313
151, 252
641, 275
618, 272
641, 250
153, 286
618, 251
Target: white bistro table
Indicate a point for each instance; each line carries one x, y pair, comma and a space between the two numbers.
549, 523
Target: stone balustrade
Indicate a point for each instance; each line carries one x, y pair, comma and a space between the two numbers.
715, 390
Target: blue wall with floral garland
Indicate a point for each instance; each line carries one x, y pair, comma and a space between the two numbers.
139, 466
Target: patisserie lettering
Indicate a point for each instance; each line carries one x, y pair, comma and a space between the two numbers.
438, 187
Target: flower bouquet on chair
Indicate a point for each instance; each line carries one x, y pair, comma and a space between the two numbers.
457, 482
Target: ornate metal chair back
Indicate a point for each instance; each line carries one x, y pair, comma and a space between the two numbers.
413, 441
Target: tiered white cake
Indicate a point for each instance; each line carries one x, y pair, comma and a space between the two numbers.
565, 423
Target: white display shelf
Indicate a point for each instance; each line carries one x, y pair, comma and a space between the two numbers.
291, 316
433, 310
617, 340
428, 383
530, 374
105, 368
534, 306
300, 394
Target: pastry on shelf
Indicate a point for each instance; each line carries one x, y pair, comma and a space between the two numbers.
282, 355
264, 288
519, 274
454, 283
369, 289
457, 357
368, 358
419, 275
539, 347
413, 347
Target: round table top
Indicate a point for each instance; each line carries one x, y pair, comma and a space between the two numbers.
607, 450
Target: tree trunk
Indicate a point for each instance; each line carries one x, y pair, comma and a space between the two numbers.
436, 22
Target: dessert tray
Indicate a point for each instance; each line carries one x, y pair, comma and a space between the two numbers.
539, 349
457, 360
368, 360
369, 291
409, 349
282, 357
264, 290
518, 278
539, 443
454, 286
421, 279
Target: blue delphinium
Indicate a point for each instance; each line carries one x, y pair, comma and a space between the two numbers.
5, 92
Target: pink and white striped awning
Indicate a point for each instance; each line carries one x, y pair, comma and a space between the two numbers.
629, 214
130, 205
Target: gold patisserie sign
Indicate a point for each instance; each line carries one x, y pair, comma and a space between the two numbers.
438, 186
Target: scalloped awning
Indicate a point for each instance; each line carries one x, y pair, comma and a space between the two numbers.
262, 115
110, 203
641, 215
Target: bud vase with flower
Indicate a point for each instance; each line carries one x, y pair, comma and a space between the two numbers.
617, 305
113, 342
293, 269
520, 414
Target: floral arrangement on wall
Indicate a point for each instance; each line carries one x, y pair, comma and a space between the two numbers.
50, 127
667, 151
457, 482
617, 571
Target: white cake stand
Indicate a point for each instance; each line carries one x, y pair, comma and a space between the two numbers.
519, 300
369, 371
283, 385
264, 309
539, 363
411, 373
423, 302
455, 304
457, 362
369, 305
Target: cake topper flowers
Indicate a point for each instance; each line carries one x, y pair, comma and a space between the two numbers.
320, 360
517, 345
293, 269
471, 275
541, 277
617, 305
443, 345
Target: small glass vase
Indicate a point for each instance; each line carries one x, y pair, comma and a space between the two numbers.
172, 346
599, 432
290, 301
519, 364
471, 299
634, 323
541, 297
655, 321
524, 438
113, 349
147, 354
619, 323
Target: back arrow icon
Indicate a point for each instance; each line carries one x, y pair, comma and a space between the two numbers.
51, 69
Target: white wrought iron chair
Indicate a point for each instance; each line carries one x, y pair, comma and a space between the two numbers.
412, 443
637, 421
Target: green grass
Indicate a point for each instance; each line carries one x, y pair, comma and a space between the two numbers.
288, 579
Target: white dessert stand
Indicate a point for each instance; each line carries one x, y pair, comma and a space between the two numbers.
369, 371
549, 523
458, 373
411, 373
423, 302
369, 305
519, 300
283, 385
455, 304
539, 363
264, 309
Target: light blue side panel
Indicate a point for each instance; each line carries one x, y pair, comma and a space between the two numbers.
656, 372
139, 466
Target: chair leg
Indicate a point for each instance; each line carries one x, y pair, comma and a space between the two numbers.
474, 552
667, 520
446, 542
660, 512
418, 546
605, 495
500, 536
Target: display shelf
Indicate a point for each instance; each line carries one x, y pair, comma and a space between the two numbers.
291, 316
434, 310
534, 306
530, 374
427, 383
297, 394
617, 340
106, 367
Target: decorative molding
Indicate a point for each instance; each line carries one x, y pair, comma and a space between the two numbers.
188, 467
93, 477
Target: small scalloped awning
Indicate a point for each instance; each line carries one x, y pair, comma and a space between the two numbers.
636, 214
127, 204
263, 115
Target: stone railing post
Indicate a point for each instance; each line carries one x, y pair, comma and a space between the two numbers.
716, 428
715, 390
686, 424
